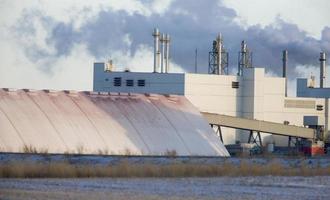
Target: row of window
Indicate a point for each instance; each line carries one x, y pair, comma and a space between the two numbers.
117, 82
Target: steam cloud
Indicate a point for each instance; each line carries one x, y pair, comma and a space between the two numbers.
192, 25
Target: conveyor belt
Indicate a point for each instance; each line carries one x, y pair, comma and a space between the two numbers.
260, 126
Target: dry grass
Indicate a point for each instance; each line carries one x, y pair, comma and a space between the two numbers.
29, 149
80, 149
33, 150
170, 153
103, 152
124, 169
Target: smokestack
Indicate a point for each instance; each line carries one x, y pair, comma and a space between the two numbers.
167, 58
156, 49
322, 69
162, 42
244, 58
219, 50
285, 61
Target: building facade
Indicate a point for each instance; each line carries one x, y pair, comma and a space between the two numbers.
252, 96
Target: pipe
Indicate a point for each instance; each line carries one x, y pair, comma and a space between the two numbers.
322, 69
156, 49
158, 60
219, 50
167, 42
285, 61
162, 42
243, 50
196, 61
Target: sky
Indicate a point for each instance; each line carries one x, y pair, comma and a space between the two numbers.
53, 44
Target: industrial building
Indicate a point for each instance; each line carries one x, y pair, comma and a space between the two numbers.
160, 112
249, 94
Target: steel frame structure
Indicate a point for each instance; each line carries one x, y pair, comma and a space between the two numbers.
218, 59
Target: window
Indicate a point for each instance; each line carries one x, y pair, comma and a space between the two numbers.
117, 81
235, 84
129, 83
141, 83
106, 79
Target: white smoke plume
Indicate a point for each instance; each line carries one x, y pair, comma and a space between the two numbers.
54, 43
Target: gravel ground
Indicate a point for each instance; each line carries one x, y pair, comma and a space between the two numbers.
268, 187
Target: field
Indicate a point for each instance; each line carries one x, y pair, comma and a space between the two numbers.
93, 166
266, 187
55, 176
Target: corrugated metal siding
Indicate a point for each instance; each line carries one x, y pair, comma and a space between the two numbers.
115, 124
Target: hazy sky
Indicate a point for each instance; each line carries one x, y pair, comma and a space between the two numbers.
53, 44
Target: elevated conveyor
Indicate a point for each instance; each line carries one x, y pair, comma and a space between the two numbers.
259, 126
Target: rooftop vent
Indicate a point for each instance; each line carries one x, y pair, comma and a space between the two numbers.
109, 66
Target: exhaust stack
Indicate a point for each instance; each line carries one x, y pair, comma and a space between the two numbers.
161, 58
322, 69
285, 62
162, 43
244, 58
156, 49
167, 57
219, 50
218, 57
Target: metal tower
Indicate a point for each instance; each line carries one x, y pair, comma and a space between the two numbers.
218, 57
244, 58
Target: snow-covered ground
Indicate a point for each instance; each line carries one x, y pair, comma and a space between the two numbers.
268, 187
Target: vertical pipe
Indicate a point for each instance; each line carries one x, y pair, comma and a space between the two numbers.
285, 61
243, 50
162, 42
156, 49
196, 61
239, 65
322, 69
242, 61
219, 50
167, 53
158, 60
251, 55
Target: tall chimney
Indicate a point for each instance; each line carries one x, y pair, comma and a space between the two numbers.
322, 69
285, 62
156, 49
219, 50
162, 42
167, 63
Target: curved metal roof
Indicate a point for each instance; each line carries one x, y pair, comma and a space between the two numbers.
87, 122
